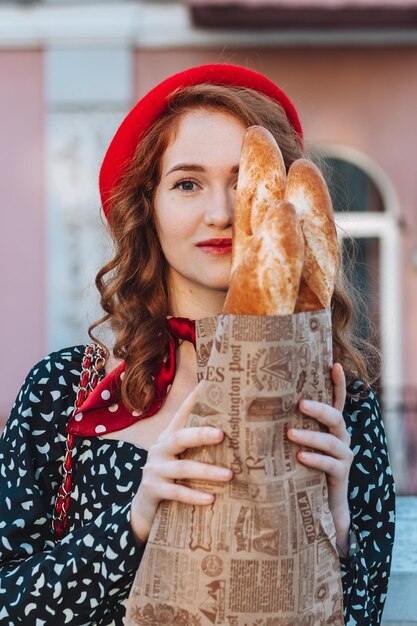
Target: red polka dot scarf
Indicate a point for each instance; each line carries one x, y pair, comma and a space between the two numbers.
103, 412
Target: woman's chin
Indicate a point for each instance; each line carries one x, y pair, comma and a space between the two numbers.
220, 286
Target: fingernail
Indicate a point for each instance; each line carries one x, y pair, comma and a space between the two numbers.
307, 404
294, 433
215, 433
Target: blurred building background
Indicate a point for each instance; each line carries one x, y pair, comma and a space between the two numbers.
69, 71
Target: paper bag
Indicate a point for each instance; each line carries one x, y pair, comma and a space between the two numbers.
264, 552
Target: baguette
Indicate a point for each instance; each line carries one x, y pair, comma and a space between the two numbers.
261, 184
307, 190
285, 254
268, 245
266, 279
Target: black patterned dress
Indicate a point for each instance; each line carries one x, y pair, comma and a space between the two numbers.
85, 578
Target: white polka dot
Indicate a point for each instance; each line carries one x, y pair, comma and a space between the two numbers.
105, 394
79, 417
122, 375
113, 408
136, 413
100, 429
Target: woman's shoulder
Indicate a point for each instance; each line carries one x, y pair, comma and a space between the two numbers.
48, 392
60, 366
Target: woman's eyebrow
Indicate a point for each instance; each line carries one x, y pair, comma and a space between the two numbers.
190, 167
185, 167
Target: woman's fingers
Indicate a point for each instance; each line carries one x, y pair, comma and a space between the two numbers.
331, 416
195, 470
336, 469
163, 468
330, 455
339, 387
181, 493
327, 415
180, 418
177, 442
325, 442
331, 452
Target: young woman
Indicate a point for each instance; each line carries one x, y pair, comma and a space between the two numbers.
168, 183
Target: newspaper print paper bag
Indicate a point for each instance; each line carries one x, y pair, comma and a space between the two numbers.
263, 554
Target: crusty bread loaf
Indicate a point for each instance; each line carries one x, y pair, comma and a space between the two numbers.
307, 190
266, 279
261, 184
285, 254
268, 245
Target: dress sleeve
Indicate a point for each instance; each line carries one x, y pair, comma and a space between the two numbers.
39, 578
365, 572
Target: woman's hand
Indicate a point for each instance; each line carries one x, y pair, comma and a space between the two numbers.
163, 468
334, 456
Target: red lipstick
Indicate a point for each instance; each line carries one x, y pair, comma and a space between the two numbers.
216, 246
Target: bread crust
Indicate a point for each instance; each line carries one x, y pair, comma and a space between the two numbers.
285, 254
266, 279
307, 190
261, 184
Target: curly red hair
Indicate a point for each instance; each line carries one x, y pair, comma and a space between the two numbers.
133, 284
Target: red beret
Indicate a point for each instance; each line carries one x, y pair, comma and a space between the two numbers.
151, 107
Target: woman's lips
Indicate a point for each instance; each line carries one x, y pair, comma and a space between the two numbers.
216, 247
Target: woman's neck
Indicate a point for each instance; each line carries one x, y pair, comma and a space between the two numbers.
196, 303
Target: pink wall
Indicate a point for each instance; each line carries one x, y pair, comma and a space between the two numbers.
22, 336
364, 98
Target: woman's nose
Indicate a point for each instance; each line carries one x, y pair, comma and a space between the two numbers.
219, 211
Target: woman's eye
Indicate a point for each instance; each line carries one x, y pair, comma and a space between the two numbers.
186, 185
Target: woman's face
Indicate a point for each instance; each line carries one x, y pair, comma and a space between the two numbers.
194, 201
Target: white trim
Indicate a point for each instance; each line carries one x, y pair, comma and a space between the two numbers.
78, 129
371, 168
366, 224
385, 226
148, 25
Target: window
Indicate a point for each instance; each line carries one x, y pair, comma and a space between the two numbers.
366, 213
